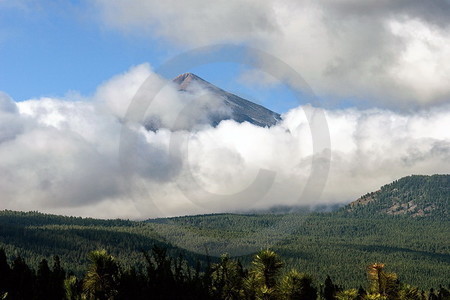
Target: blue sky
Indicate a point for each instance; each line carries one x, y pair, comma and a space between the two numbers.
61, 47
58, 49
393, 58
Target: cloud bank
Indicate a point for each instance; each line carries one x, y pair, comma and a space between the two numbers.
65, 157
392, 52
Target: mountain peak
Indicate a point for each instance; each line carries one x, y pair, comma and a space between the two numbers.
186, 79
186, 75
242, 109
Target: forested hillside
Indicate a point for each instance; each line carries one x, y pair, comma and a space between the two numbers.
339, 244
415, 196
321, 244
35, 236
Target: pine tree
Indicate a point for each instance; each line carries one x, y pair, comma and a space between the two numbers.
227, 279
44, 284
100, 281
58, 276
266, 267
381, 282
297, 286
22, 280
432, 295
5, 273
71, 288
329, 290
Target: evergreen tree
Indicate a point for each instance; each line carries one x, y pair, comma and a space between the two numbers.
361, 293
329, 290
381, 282
351, 294
133, 285
266, 267
168, 278
432, 295
298, 286
71, 288
408, 292
5, 272
44, 284
443, 294
100, 281
227, 279
22, 280
58, 277
252, 287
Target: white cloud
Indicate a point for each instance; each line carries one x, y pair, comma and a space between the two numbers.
64, 157
391, 52
8, 114
163, 105
194, 21
423, 69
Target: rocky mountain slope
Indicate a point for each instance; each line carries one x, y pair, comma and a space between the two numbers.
242, 110
416, 196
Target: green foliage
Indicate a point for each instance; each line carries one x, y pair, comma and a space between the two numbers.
416, 195
409, 292
318, 243
330, 289
22, 280
227, 278
169, 278
71, 288
297, 286
266, 266
338, 243
36, 236
327, 243
350, 294
43, 281
101, 279
381, 282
